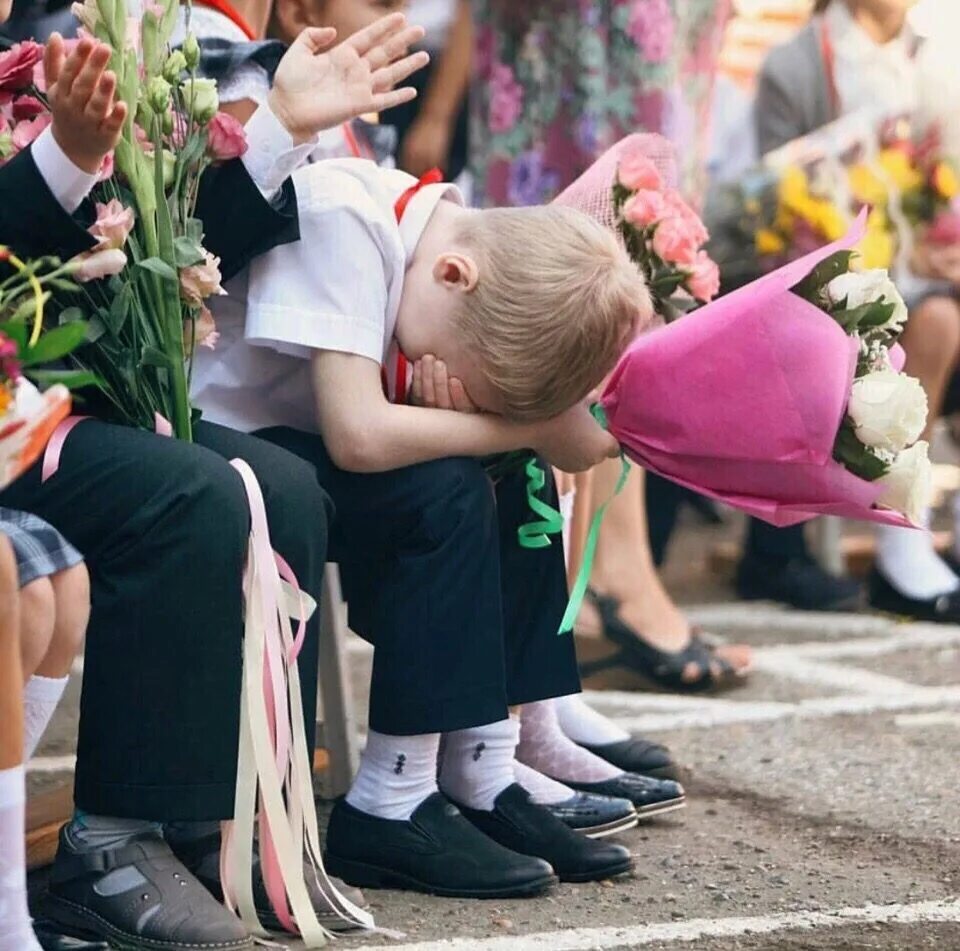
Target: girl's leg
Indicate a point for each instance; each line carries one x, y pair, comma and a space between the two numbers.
15, 931
37, 618
71, 590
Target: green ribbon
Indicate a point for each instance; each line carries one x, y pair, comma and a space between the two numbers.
550, 522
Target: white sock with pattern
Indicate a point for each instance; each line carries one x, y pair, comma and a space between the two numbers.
478, 763
40, 698
396, 774
583, 724
542, 789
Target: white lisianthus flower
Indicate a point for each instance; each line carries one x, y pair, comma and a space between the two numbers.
888, 409
869, 287
908, 486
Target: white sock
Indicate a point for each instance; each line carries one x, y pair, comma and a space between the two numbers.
908, 559
16, 932
40, 698
583, 724
478, 763
396, 774
543, 790
547, 749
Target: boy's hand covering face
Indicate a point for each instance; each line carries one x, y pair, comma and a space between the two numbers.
317, 87
86, 119
574, 441
434, 388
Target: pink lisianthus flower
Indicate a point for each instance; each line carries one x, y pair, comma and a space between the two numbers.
201, 280
101, 262
17, 63
25, 132
637, 172
704, 280
225, 138
506, 98
113, 225
27, 107
644, 208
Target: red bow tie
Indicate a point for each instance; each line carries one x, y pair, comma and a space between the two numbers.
433, 177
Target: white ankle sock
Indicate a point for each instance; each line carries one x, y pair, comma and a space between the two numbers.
16, 932
543, 790
582, 724
40, 698
908, 559
547, 749
478, 763
396, 774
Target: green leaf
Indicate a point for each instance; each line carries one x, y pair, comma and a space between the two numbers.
70, 314
16, 332
159, 267
95, 330
193, 229
71, 379
116, 316
835, 265
187, 251
855, 456
56, 343
154, 357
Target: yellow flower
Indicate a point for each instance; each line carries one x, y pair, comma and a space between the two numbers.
769, 242
897, 166
866, 185
877, 250
794, 189
831, 222
945, 181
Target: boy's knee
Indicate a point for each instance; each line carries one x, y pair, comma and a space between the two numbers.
457, 494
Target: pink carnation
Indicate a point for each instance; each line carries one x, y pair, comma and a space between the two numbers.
225, 138
25, 132
506, 98
27, 107
644, 208
704, 280
17, 63
675, 242
113, 225
651, 27
636, 171
678, 208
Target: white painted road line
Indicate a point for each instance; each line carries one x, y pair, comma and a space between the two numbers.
823, 674
51, 764
582, 939
913, 637
923, 721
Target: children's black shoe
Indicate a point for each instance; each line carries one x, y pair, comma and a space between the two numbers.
637, 755
595, 816
436, 851
521, 825
944, 609
800, 583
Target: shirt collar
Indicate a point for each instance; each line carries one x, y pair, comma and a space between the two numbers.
418, 212
852, 42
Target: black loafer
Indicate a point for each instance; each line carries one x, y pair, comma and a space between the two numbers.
521, 825
637, 755
944, 609
50, 939
201, 855
800, 583
436, 851
163, 908
595, 816
650, 797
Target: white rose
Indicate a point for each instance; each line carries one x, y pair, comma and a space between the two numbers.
868, 287
888, 409
908, 486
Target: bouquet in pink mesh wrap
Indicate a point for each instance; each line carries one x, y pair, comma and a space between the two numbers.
783, 399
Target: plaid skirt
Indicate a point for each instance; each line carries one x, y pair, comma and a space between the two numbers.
39, 548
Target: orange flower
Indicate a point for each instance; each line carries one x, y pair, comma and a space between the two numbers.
946, 181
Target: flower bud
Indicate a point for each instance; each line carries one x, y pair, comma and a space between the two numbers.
158, 94
200, 98
191, 52
174, 66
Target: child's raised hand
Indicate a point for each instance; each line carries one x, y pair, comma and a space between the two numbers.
434, 388
87, 121
317, 87
574, 441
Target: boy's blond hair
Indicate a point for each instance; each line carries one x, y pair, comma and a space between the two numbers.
556, 303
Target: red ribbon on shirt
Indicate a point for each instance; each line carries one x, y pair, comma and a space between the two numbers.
402, 365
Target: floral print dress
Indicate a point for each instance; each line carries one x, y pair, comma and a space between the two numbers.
560, 81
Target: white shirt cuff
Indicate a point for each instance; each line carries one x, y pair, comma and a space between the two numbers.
271, 157
69, 184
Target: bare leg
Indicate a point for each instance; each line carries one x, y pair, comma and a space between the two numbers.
11, 676
71, 590
37, 617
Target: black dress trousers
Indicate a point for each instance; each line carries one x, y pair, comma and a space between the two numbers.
464, 621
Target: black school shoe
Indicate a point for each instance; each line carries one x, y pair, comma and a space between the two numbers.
436, 851
883, 596
50, 939
521, 825
799, 583
161, 906
650, 797
595, 816
637, 755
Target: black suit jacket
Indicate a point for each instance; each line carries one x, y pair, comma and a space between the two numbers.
238, 222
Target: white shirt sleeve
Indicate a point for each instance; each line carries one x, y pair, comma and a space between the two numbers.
68, 184
327, 291
271, 157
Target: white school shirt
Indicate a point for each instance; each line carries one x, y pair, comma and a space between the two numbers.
337, 288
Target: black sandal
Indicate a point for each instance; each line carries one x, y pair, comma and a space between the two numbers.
656, 669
